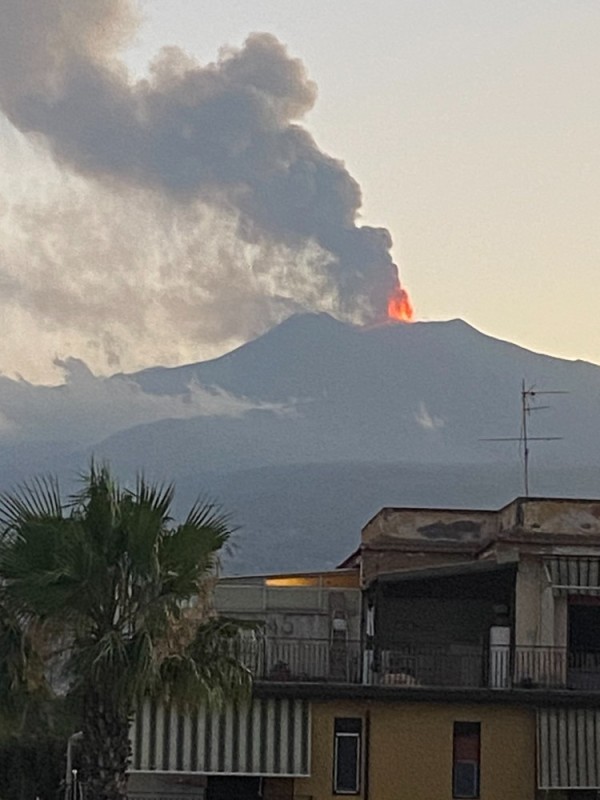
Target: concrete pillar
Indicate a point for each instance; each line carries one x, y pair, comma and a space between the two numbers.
499, 656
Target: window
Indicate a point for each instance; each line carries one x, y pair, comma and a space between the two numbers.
346, 755
465, 759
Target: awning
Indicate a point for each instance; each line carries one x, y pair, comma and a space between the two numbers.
568, 748
267, 736
574, 574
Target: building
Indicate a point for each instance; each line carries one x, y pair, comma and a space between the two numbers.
455, 654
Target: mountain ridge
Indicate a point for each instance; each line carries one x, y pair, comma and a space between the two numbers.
303, 322
308, 429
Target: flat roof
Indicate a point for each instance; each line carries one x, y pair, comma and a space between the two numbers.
497, 510
261, 576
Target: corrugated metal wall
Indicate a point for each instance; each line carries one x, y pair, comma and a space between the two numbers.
574, 575
568, 748
269, 736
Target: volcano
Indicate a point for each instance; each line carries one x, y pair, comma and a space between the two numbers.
428, 392
343, 420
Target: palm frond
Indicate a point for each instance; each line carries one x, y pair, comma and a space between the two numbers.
145, 514
206, 513
37, 499
188, 556
118, 583
157, 496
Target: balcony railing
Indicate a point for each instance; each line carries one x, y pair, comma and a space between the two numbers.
471, 666
417, 664
304, 660
458, 665
556, 668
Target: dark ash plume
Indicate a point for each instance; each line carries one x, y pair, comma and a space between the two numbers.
225, 134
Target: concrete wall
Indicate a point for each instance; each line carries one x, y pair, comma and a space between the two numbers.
551, 515
291, 612
530, 585
561, 516
404, 539
540, 615
166, 787
431, 525
577, 517
410, 750
199, 787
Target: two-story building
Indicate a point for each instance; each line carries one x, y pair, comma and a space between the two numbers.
455, 654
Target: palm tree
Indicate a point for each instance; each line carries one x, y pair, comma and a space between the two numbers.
23, 687
122, 589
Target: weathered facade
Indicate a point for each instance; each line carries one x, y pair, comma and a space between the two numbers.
455, 654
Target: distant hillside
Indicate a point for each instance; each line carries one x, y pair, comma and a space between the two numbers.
310, 515
306, 431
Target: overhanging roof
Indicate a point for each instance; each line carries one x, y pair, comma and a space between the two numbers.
446, 571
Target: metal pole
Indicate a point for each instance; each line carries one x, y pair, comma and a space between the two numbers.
69, 771
527, 396
525, 409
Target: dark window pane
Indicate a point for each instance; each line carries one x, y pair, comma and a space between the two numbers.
584, 628
466, 747
346, 772
466, 779
465, 761
348, 725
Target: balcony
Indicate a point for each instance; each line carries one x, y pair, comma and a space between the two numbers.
470, 666
303, 660
556, 668
431, 665
418, 665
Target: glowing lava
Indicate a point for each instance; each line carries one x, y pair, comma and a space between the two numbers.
399, 306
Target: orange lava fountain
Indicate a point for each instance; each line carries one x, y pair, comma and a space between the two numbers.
399, 306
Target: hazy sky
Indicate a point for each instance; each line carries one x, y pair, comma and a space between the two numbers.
472, 127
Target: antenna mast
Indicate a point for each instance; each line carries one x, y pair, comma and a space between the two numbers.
525, 410
528, 395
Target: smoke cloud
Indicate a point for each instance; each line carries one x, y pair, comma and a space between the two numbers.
209, 162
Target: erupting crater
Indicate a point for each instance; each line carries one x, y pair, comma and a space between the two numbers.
399, 306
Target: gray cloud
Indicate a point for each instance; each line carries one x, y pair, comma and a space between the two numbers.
128, 279
426, 420
215, 149
84, 409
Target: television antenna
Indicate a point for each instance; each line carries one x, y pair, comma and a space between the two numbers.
528, 405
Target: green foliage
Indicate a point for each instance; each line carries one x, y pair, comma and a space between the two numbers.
24, 692
31, 767
32, 757
117, 589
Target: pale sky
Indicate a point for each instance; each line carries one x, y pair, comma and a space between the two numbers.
472, 127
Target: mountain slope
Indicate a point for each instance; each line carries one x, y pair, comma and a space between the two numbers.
329, 423
422, 392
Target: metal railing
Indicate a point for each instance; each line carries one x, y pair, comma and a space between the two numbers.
473, 666
555, 668
416, 664
303, 660
431, 665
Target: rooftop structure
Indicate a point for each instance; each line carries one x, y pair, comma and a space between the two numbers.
476, 628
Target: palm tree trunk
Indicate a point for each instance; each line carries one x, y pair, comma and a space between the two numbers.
105, 748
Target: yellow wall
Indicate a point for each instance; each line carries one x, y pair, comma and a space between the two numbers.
410, 753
